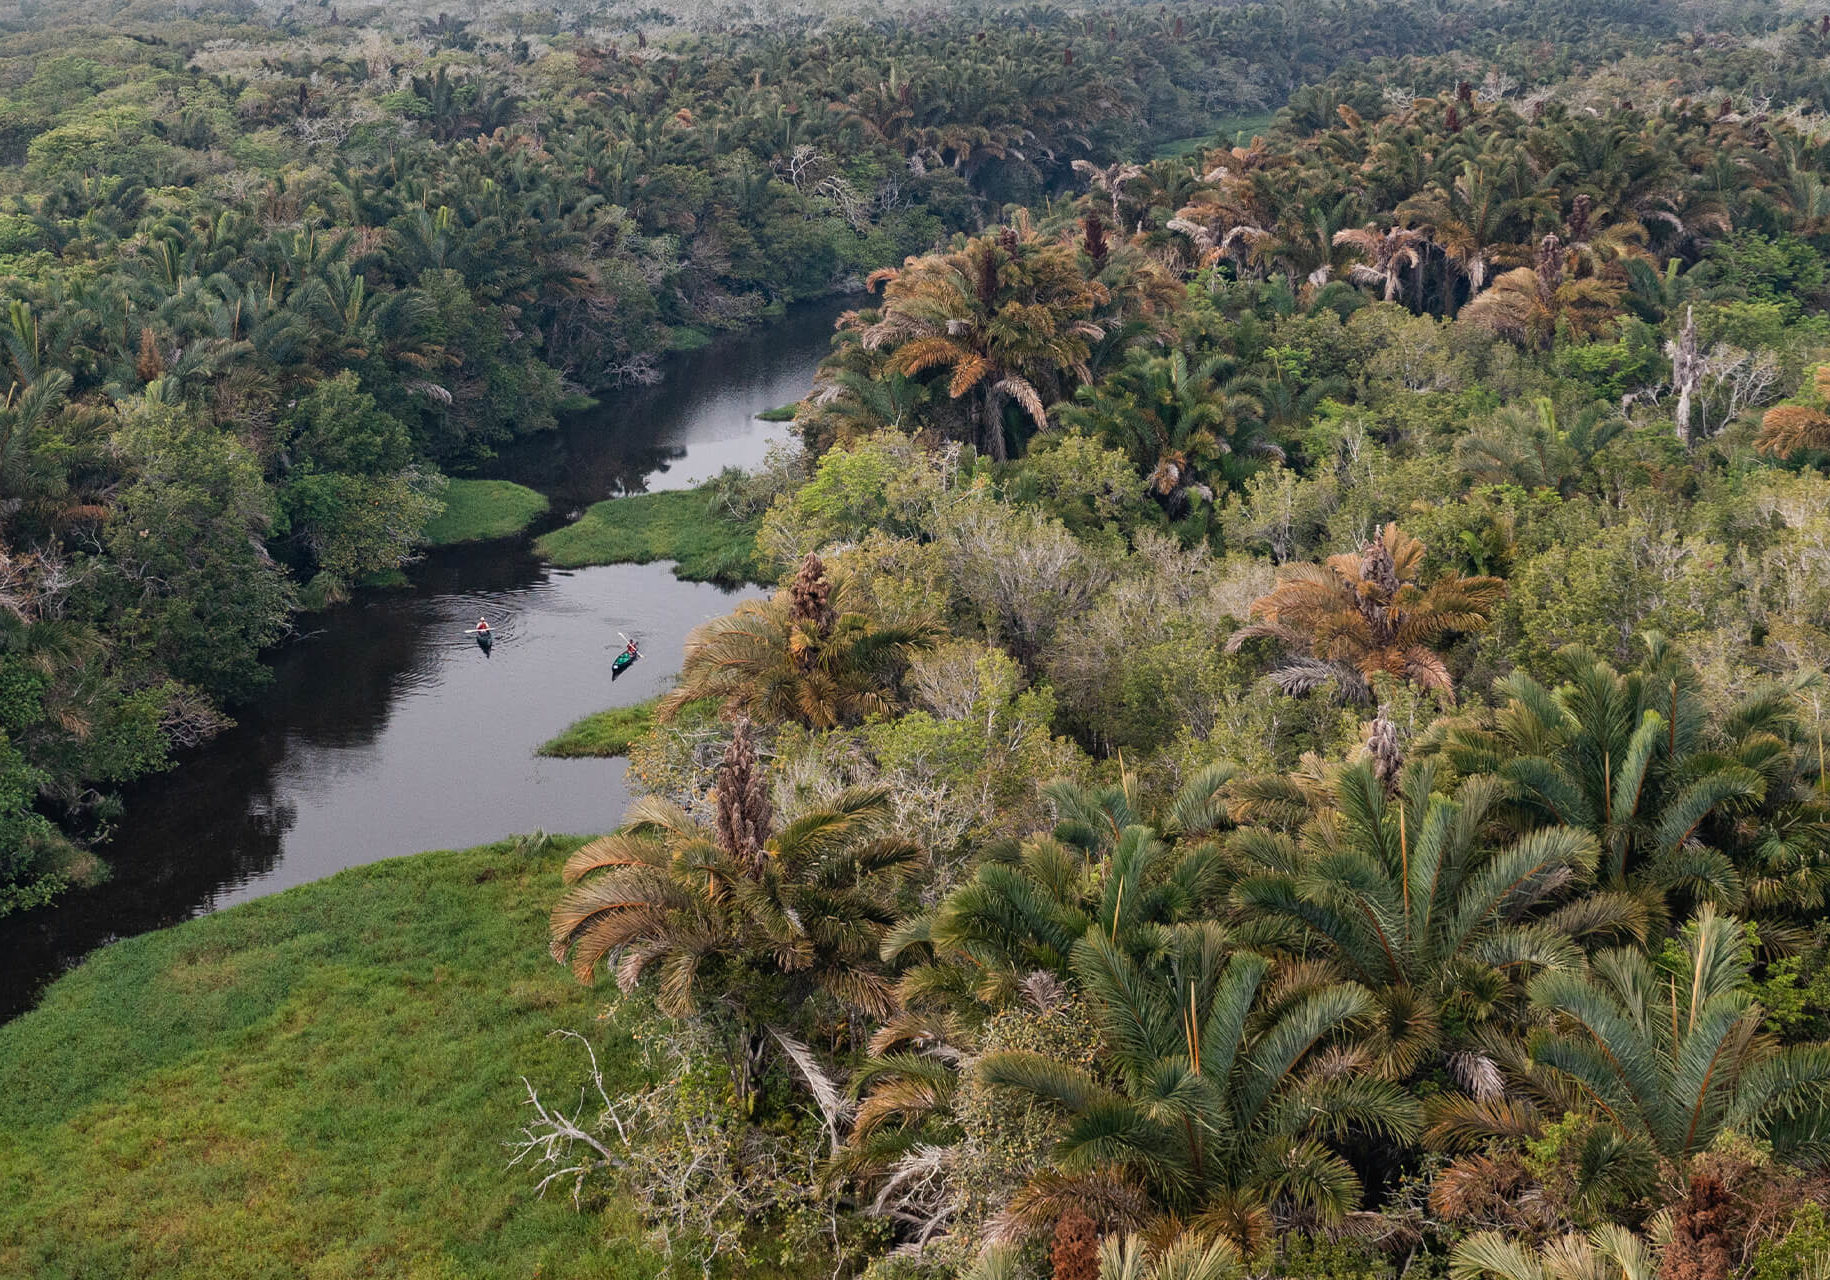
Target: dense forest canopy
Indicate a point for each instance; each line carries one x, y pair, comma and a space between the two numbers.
1289, 739
267, 273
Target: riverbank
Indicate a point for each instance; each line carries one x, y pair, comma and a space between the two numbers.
479, 510
603, 735
315, 1082
681, 525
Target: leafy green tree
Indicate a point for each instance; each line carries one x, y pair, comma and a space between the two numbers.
195, 585
27, 876
355, 525
337, 428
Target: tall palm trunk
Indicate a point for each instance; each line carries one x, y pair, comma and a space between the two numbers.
992, 425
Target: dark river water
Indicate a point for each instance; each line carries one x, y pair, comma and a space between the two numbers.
387, 731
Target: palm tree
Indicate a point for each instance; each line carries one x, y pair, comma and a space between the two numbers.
1181, 425
1467, 218
1190, 1256
1215, 1101
1789, 429
1007, 936
765, 916
1527, 303
1357, 615
1609, 1252
1671, 1051
1385, 255
812, 655
1008, 316
1620, 756
1405, 893
1529, 447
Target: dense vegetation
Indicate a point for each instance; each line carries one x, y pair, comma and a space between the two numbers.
1289, 740
265, 280
1290, 736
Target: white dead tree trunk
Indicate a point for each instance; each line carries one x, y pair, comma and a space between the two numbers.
1686, 371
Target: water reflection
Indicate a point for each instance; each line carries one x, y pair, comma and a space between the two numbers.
683, 432
386, 730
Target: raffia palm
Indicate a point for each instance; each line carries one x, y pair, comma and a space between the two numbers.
1009, 316
814, 654
1787, 429
1216, 1099
1406, 891
1384, 256
801, 911
1526, 304
1357, 615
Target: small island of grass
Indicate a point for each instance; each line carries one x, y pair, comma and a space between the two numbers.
479, 510
316, 1082
608, 733
705, 545
781, 413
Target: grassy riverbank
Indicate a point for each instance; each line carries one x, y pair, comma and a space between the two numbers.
316, 1083
608, 733
478, 510
705, 546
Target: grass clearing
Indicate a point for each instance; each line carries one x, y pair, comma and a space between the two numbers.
479, 510
678, 526
608, 733
781, 413
1233, 131
316, 1083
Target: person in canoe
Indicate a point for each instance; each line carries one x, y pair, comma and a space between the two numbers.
485, 637
622, 660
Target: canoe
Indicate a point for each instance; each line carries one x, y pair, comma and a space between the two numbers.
621, 662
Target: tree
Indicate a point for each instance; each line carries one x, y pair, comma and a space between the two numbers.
1357, 615
1216, 1100
354, 525
1182, 426
766, 916
1008, 316
1620, 756
1527, 304
1800, 427
337, 428
1384, 255
1669, 1049
814, 654
1606, 1253
1402, 889
199, 588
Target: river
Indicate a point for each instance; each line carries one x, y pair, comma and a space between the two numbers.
387, 731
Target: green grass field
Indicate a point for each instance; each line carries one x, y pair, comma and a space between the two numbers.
315, 1084
677, 526
1233, 131
478, 510
608, 733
